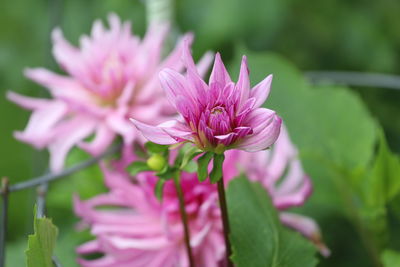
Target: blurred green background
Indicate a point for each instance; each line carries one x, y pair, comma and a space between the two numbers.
280, 36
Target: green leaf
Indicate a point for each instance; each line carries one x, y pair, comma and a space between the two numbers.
156, 148
202, 168
216, 173
191, 167
158, 189
41, 244
391, 258
188, 156
167, 173
138, 166
328, 122
257, 236
383, 182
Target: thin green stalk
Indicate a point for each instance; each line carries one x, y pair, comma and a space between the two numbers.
225, 220
184, 218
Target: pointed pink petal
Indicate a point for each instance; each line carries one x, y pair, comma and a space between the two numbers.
174, 84
243, 84
261, 91
307, 227
102, 140
40, 128
154, 133
177, 130
27, 102
203, 65
281, 155
65, 54
219, 73
68, 134
118, 122
265, 132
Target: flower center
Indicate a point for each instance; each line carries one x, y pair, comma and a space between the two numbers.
217, 110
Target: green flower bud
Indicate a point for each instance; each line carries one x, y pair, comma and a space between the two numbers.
156, 162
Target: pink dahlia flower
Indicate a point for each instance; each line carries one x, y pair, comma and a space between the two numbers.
217, 116
110, 78
144, 232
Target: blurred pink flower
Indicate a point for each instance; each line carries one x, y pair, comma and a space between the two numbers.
218, 116
145, 232
111, 77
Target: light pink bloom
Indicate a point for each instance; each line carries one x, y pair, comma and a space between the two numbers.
218, 116
281, 173
111, 77
145, 232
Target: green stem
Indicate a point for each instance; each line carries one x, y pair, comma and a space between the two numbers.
184, 218
225, 219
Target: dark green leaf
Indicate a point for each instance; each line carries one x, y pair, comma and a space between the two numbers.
155, 148
202, 168
138, 166
41, 244
216, 173
158, 189
257, 236
167, 173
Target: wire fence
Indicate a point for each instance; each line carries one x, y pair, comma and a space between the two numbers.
41, 183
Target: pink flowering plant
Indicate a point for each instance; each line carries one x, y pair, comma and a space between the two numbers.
110, 78
204, 175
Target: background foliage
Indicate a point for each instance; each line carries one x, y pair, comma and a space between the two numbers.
346, 136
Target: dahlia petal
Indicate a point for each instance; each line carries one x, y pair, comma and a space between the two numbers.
176, 130
27, 102
60, 86
283, 152
203, 65
173, 61
89, 247
68, 134
261, 91
226, 139
307, 227
150, 243
264, 138
243, 131
219, 74
117, 122
293, 198
243, 84
103, 138
200, 236
127, 94
40, 128
154, 133
174, 84
247, 106
65, 54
